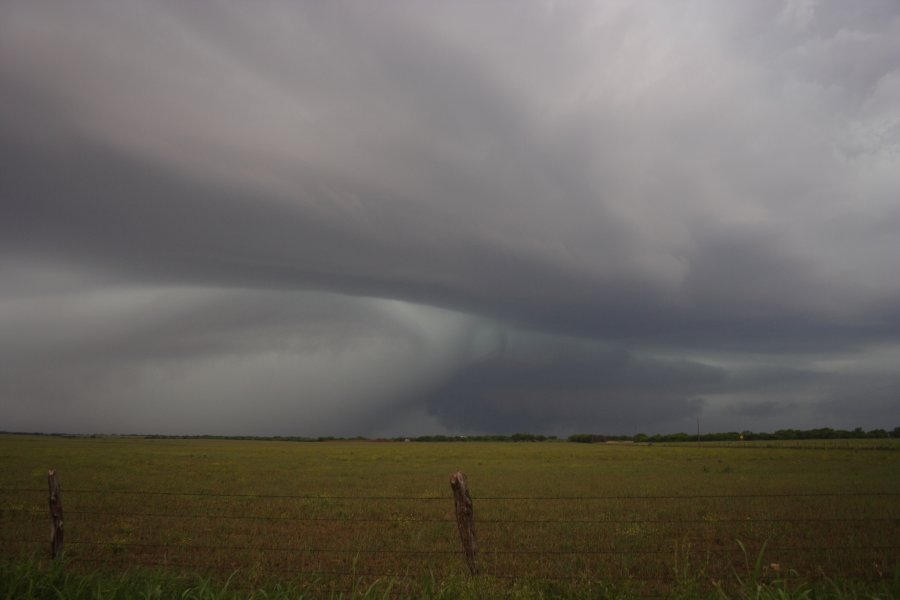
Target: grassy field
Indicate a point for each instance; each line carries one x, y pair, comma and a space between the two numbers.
553, 519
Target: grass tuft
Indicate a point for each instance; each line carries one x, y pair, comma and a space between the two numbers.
42, 581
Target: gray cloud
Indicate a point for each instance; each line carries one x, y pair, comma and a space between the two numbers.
708, 190
592, 389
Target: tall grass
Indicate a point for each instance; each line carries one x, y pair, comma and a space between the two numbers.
41, 581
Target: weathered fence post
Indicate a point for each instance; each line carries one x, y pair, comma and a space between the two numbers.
465, 518
56, 516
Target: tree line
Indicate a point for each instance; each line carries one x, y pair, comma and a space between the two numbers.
822, 433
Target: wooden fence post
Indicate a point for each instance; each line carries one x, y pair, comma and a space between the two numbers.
465, 518
56, 516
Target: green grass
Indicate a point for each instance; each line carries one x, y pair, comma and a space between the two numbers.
33, 581
637, 520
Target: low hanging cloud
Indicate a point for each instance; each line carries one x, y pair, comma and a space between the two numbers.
325, 219
573, 389
188, 360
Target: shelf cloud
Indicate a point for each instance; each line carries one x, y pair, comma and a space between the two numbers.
339, 218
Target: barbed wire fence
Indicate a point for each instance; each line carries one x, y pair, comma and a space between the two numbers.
649, 541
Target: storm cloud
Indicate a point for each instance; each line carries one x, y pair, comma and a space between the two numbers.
306, 218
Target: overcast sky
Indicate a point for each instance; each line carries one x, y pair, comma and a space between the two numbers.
399, 218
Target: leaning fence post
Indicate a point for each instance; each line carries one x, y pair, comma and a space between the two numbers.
465, 518
56, 516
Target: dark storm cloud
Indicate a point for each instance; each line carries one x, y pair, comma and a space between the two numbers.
558, 385
708, 190
611, 391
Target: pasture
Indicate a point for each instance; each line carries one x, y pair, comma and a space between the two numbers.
554, 519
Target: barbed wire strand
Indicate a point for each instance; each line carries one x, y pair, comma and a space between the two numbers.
576, 551
395, 520
366, 573
475, 498
302, 572
445, 552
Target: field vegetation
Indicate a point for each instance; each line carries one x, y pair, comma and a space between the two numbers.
226, 518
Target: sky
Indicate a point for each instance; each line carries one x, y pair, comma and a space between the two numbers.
289, 217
